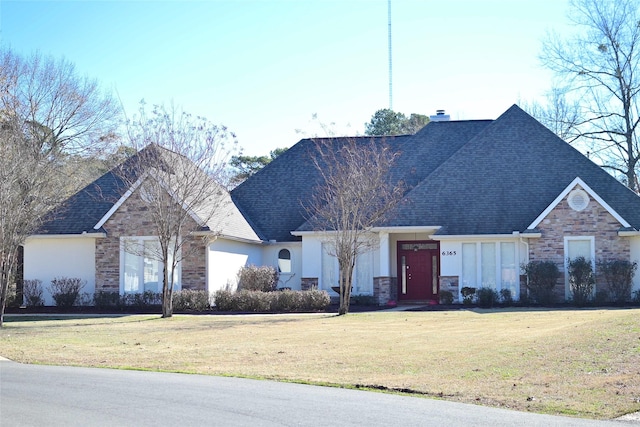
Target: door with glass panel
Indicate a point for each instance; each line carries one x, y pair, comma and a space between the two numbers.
418, 277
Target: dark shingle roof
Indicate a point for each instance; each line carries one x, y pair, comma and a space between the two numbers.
273, 200
82, 211
504, 177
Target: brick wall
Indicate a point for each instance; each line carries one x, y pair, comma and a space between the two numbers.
131, 220
309, 283
451, 284
385, 289
563, 221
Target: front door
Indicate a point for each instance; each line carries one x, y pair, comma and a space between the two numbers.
418, 270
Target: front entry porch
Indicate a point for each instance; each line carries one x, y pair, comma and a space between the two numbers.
418, 271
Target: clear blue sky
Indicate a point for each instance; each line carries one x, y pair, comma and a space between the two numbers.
264, 68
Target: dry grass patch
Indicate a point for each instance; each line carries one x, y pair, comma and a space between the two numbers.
576, 362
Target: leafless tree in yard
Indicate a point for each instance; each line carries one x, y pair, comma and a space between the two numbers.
355, 194
46, 111
599, 68
180, 174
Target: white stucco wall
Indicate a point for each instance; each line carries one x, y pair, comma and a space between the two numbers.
224, 259
48, 258
270, 257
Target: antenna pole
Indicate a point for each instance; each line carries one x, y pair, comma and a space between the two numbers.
390, 61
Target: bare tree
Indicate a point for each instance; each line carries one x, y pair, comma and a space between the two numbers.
355, 194
599, 66
46, 110
180, 172
558, 113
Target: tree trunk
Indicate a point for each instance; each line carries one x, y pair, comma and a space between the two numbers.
6, 270
167, 294
345, 289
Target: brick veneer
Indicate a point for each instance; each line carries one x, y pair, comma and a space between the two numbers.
563, 221
309, 283
450, 284
385, 289
131, 219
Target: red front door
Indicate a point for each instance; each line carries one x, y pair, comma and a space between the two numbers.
418, 270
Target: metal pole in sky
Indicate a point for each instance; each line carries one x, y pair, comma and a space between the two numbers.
390, 61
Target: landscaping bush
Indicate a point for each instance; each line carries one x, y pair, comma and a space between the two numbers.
541, 279
190, 300
446, 297
581, 280
487, 297
65, 291
618, 275
253, 278
142, 300
364, 300
32, 293
284, 301
467, 295
506, 297
107, 300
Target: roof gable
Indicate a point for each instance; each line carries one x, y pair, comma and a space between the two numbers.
88, 210
503, 178
581, 184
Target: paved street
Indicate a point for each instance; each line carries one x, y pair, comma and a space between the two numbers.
33, 395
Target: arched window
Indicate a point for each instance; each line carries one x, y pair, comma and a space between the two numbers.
284, 261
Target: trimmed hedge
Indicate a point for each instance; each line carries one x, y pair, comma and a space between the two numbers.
280, 302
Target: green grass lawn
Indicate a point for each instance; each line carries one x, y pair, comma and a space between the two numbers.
574, 362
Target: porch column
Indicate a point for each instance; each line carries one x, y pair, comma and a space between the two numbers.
385, 261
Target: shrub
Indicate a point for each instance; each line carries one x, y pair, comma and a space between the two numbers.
66, 290
487, 297
541, 279
143, 300
107, 300
284, 301
32, 292
315, 300
446, 297
618, 275
190, 300
253, 278
467, 294
364, 300
223, 300
581, 280
506, 297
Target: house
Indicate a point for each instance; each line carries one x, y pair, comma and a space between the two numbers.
483, 197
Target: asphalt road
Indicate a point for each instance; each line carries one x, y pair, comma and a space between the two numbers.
33, 395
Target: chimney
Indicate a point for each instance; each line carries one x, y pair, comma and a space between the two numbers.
440, 117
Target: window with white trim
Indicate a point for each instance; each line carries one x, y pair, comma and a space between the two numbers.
490, 265
362, 274
574, 247
284, 261
140, 267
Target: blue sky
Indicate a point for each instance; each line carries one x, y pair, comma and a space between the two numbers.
263, 68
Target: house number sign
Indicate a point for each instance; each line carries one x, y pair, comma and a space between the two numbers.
449, 253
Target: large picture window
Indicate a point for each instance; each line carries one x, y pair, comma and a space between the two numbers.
141, 269
362, 274
490, 265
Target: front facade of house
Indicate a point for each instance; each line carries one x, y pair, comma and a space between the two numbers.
484, 197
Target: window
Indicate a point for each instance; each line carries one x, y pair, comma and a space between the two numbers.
488, 269
575, 247
284, 261
362, 274
468, 265
490, 265
141, 270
